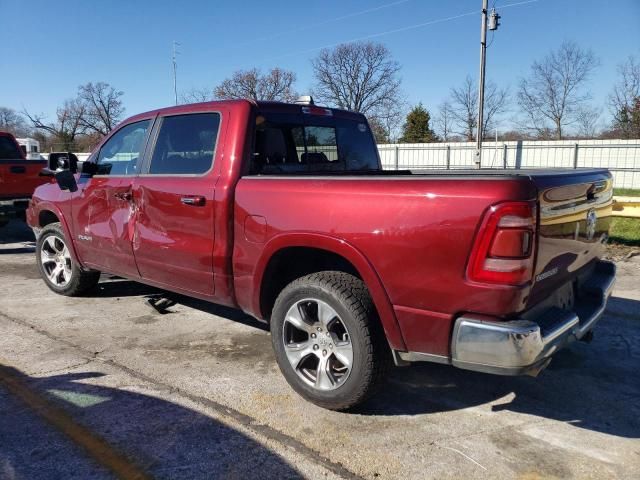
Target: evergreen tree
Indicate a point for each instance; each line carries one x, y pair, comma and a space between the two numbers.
416, 128
627, 121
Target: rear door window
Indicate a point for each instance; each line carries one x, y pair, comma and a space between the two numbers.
185, 144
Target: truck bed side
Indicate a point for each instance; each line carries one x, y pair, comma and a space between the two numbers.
416, 233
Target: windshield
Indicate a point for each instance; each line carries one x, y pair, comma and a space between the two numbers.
297, 143
9, 149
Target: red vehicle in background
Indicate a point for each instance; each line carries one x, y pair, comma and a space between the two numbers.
284, 211
19, 177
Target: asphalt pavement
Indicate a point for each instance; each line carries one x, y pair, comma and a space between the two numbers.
103, 386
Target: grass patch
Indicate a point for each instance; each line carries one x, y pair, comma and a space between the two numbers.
625, 231
627, 192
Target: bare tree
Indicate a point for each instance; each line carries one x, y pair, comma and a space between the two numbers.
444, 121
102, 107
554, 93
380, 131
67, 126
197, 95
276, 85
587, 119
464, 107
625, 97
390, 117
13, 122
362, 77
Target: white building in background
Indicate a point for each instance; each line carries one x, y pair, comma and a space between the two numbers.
30, 147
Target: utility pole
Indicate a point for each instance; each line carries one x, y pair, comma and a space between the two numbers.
175, 68
494, 22
483, 60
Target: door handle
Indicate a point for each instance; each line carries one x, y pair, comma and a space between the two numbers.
197, 201
18, 169
127, 196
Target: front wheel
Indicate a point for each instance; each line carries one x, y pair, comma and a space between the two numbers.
57, 268
328, 341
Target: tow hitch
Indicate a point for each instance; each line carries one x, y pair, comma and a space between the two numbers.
587, 337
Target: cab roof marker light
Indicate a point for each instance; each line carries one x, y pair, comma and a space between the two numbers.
317, 111
305, 100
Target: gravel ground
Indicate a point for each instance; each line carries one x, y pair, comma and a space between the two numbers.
196, 393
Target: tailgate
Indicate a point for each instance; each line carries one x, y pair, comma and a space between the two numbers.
19, 178
575, 212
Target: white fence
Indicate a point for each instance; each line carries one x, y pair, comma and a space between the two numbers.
621, 157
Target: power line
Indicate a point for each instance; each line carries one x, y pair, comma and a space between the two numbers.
324, 22
375, 35
395, 30
518, 3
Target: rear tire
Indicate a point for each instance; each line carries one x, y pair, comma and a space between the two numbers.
60, 272
328, 340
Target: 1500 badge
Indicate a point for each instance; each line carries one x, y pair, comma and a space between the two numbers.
86, 238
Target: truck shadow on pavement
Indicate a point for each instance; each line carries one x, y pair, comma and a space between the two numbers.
594, 386
119, 287
17, 232
161, 438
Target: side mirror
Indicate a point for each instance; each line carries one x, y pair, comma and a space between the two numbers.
66, 180
63, 161
89, 168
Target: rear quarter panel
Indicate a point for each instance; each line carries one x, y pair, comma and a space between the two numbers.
415, 234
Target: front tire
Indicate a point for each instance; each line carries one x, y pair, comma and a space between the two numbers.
60, 272
328, 340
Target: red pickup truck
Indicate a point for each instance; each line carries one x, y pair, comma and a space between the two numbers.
284, 211
18, 178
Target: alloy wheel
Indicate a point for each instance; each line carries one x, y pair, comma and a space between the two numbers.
56, 261
317, 344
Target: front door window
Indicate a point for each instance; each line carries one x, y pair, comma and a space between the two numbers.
120, 155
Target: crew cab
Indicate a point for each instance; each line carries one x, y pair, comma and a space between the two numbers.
18, 178
283, 211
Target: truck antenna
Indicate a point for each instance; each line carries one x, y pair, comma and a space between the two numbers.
175, 52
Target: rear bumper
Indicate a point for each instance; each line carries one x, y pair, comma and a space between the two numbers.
13, 205
525, 346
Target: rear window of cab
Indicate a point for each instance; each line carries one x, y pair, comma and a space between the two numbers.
289, 143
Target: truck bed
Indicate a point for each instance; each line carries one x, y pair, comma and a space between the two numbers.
418, 229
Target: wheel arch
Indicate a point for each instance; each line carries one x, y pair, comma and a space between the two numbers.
49, 213
305, 253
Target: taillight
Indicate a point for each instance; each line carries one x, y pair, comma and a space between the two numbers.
504, 248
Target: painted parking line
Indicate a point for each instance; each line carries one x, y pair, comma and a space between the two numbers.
95, 446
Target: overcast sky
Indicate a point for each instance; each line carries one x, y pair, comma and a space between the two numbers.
49, 48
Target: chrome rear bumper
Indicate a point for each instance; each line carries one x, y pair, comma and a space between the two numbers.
525, 346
